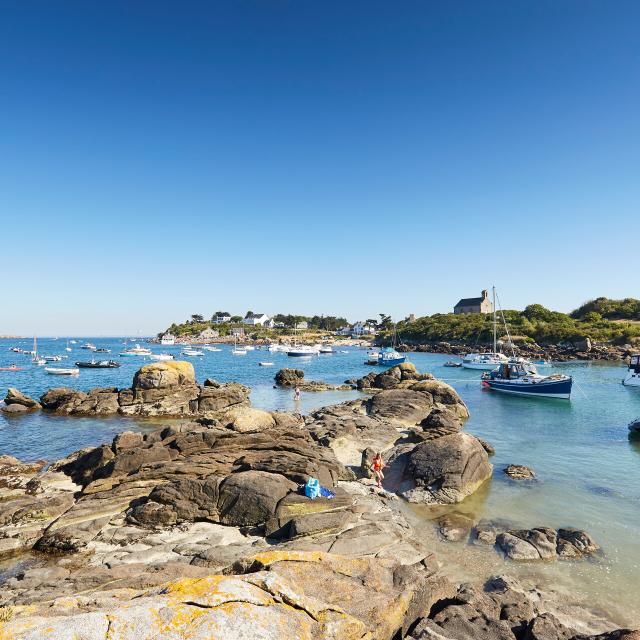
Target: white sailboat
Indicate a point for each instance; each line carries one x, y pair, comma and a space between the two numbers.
487, 361
34, 357
300, 350
238, 351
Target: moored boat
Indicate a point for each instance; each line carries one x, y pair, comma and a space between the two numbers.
136, 350
52, 358
632, 379
161, 357
301, 350
523, 380
11, 368
168, 339
89, 346
59, 371
326, 349
265, 364
98, 364
484, 361
192, 352
452, 363
208, 347
389, 357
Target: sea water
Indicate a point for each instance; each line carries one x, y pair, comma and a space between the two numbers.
587, 467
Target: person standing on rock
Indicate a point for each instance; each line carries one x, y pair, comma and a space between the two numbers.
296, 393
377, 466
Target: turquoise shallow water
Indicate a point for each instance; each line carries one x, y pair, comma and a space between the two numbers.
588, 468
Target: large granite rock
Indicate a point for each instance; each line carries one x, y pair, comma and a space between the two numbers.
177, 475
295, 378
393, 377
15, 398
164, 375
447, 469
162, 389
308, 596
543, 543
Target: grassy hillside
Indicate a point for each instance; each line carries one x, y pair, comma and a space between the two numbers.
594, 310
535, 323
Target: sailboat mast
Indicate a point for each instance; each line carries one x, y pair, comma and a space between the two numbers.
495, 323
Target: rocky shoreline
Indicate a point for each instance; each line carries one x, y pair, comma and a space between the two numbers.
583, 350
201, 529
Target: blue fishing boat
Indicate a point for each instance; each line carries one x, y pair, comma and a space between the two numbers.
523, 380
388, 357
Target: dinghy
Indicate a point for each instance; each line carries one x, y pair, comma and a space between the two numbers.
59, 371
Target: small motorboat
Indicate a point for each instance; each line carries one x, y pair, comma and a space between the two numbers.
52, 358
103, 350
88, 346
632, 379
524, 380
239, 352
73, 342
38, 361
11, 368
98, 364
136, 350
210, 348
16, 350
452, 363
161, 357
249, 347
265, 364
326, 349
192, 352
59, 371
302, 350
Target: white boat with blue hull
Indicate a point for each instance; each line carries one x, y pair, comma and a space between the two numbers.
389, 357
632, 378
523, 380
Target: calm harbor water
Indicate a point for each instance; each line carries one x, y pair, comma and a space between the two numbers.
588, 469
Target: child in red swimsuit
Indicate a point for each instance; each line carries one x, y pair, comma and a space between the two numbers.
377, 466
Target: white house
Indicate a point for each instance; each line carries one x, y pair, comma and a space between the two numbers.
344, 331
256, 319
209, 334
237, 331
361, 329
302, 325
222, 319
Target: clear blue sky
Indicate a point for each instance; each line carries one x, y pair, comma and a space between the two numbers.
163, 159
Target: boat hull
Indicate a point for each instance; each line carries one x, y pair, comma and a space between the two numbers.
560, 389
632, 380
482, 366
391, 362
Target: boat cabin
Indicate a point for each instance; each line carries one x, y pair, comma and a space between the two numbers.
513, 371
634, 363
